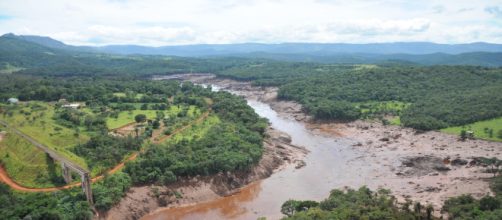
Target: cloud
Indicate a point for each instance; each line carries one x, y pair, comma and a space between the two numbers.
151, 22
494, 10
438, 9
379, 27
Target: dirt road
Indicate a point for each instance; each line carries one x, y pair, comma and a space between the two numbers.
4, 177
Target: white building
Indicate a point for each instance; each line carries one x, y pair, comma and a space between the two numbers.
72, 105
13, 100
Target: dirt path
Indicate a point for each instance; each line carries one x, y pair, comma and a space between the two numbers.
4, 177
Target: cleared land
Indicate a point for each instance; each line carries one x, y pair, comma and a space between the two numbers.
28, 165
481, 129
197, 130
35, 119
127, 117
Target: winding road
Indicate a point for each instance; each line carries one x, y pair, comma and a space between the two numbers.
4, 177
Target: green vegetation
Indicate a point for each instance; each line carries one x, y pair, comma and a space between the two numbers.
109, 191
127, 117
116, 91
466, 207
65, 204
376, 109
429, 97
26, 164
356, 204
229, 140
36, 119
103, 152
488, 129
6, 68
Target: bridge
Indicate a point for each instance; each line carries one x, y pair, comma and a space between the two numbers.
67, 166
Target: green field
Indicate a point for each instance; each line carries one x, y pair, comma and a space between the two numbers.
127, 117
196, 130
383, 107
479, 129
123, 94
35, 119
395, 120
26, 164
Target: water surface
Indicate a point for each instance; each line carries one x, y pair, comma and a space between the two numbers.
327, 168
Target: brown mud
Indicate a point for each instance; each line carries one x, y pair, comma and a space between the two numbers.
186, 192
425, 167
416, 166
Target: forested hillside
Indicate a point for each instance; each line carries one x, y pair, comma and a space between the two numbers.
28, 57
440, 96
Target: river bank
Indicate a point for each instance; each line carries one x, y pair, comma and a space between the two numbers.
425, 167
142, 200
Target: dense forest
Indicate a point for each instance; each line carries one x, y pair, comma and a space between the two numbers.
233, 144
440, 96
64, 204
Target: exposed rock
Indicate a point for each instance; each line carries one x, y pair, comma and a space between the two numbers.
459, 162
300, 164
384, 139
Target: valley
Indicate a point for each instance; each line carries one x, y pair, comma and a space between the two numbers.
163, 137
383, 156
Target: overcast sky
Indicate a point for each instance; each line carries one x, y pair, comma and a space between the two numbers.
173, 22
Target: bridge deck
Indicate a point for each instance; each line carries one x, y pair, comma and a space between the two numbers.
53, 154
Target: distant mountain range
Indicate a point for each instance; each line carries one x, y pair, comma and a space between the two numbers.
425, 53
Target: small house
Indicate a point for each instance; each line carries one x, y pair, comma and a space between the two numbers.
72, 105
13, 100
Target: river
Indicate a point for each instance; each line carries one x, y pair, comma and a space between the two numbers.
329, 166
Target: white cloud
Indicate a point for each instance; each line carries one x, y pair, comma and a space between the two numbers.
151, 22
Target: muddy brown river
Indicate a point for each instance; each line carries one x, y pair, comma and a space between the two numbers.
328, 166
335, 162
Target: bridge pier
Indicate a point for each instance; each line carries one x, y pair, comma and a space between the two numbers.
86, 187
66, 173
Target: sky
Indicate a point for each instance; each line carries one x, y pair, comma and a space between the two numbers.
180, 22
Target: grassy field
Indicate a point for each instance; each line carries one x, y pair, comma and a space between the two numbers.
127, 117
196, 130
123, 94
480, 129
31, 167
395, 120
389, 106
26, 164
35, 119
